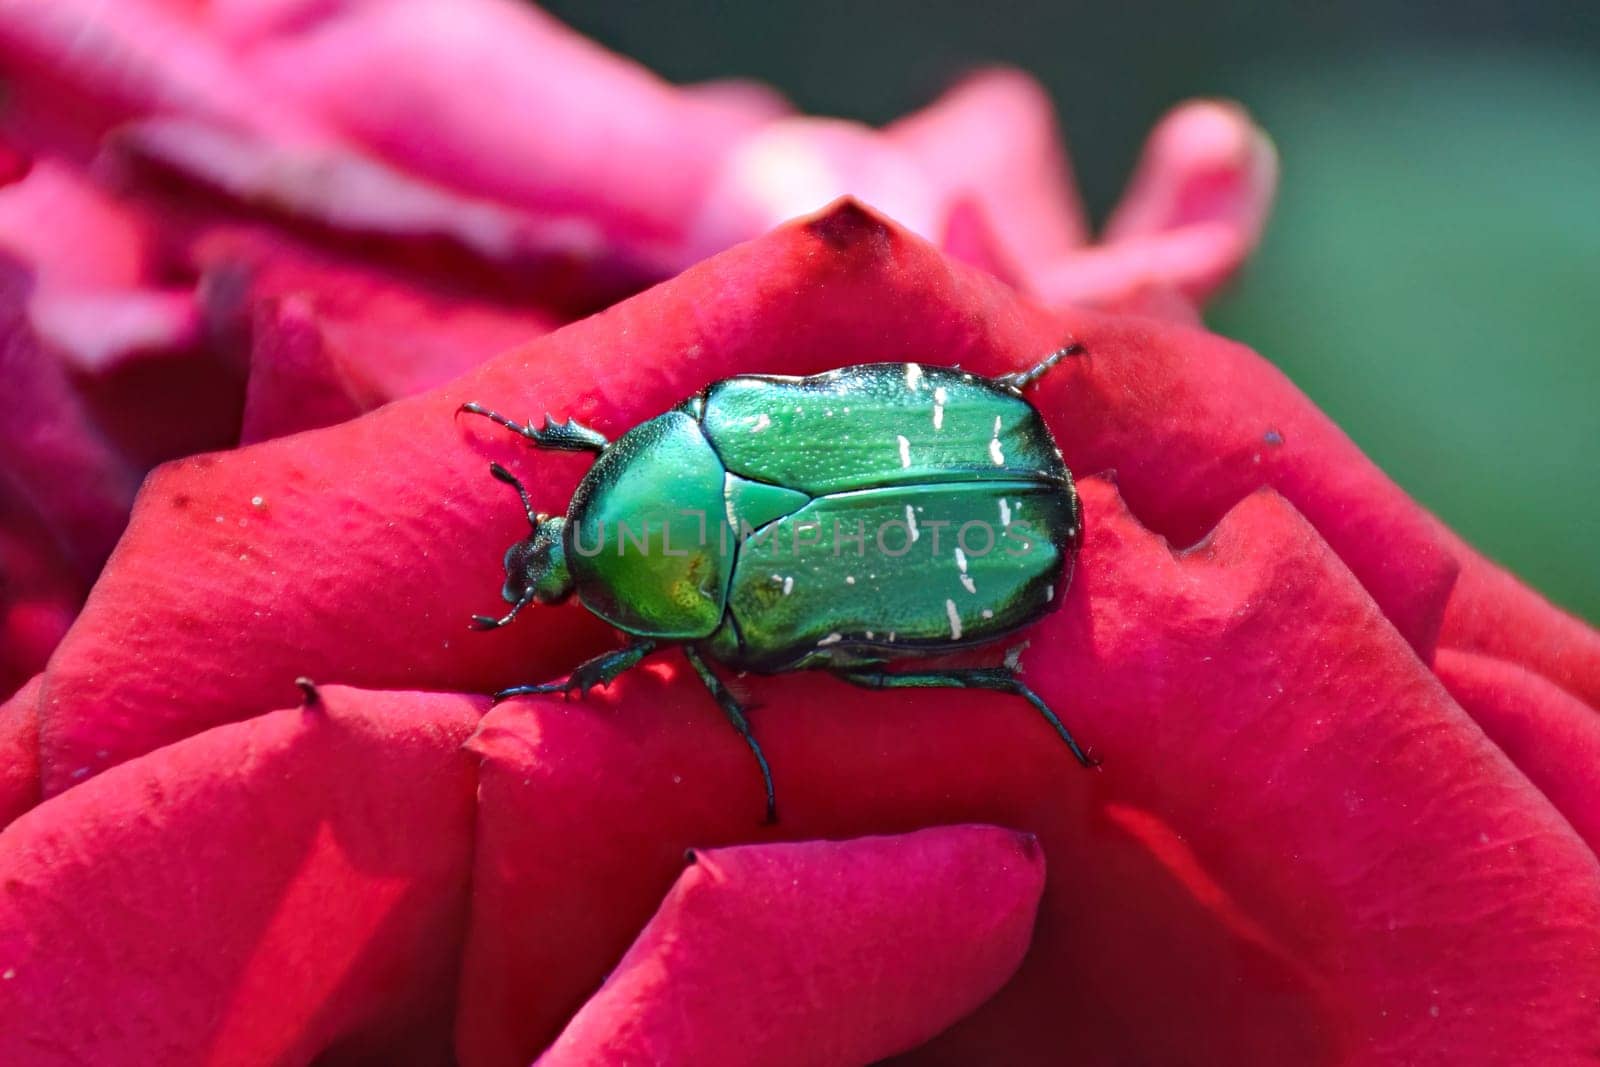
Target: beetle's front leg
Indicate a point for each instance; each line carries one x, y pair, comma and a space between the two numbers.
601, 671
566, 436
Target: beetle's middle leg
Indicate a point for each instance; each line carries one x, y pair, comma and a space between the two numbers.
1021, 379
1002, 679
566, 436
602, 670
735, 713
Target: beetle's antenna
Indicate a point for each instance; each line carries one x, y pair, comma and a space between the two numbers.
1022, 379
485, 622
511, 480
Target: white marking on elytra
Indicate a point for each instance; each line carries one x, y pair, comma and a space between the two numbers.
891, 636
911, 521
955, 620
1005, 512
966, 579
763, 420
849, 579
869, 635
939, 399
995, 454
831, 639
1049, 593
913, 377
788, 586
905, 451
988, 614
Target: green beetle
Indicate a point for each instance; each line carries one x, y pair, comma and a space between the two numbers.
844, 521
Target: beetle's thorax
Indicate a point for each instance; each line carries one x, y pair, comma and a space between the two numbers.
555, 584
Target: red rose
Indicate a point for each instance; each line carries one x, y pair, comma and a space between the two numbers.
1345, 809
226, 223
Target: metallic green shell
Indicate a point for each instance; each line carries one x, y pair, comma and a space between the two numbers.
899, 452
642, 532
877, 425
888, 574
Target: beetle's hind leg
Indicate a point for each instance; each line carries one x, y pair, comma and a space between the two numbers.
566, 436
602, 670
735, 713
1002, 679
1021, 379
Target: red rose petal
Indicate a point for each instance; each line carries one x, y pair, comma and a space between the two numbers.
296, 383
1287, 855
1551, 735
260, 893
995, 137
373, 541
19, 751
816, 953
1491, 612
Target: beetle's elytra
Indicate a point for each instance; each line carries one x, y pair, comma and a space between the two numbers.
847, 521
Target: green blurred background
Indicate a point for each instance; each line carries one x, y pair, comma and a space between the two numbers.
1429, 276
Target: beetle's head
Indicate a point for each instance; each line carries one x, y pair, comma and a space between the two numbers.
536, 566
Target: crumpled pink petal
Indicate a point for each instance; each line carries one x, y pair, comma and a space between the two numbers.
71, 233
329, 338
136, 58
1298, 848
793, 166
995, 137
1204, 162
1191, 215
817, 952
594, 177
579, 131
267, 892
39, 598
337, 191
61, 467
